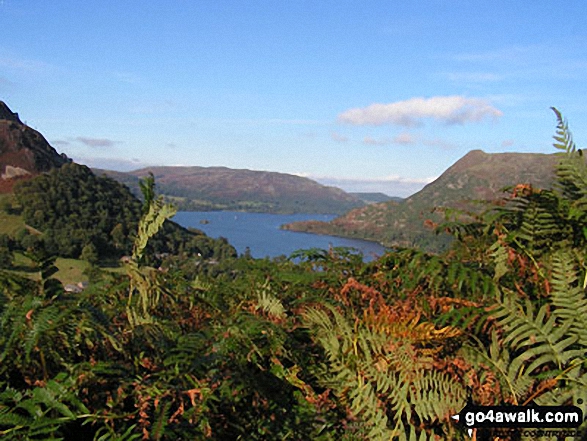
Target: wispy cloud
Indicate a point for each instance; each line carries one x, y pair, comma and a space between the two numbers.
338, 137
507, 143
372, 141
412, 112
60, 142
404, 138
96, 142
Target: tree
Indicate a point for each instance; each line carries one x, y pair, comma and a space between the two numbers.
5, 205
90, 253
6, 257
119, 237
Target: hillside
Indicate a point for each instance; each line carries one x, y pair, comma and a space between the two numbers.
476, 176
221, 188
74, 208
63, 208
24, 152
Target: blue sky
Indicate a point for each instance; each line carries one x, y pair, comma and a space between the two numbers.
364, 95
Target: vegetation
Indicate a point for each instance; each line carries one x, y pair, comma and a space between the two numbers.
320, 346
221, 188
90, 217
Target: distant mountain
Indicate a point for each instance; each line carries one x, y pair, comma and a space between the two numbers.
476, 176
221, 188
373, 198
24, 152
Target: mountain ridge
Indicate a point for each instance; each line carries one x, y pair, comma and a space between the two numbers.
197, 188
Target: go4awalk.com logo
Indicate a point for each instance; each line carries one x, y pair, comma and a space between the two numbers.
519, 417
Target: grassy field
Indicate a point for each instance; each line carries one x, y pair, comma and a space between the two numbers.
69, 270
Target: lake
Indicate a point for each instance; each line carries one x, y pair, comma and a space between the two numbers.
260, 232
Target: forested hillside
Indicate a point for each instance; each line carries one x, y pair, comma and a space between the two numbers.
75, 209
318, 347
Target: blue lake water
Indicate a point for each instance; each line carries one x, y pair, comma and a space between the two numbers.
260, 232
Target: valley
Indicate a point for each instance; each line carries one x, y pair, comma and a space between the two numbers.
116, 320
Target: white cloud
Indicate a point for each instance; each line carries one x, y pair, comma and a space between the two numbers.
412, 112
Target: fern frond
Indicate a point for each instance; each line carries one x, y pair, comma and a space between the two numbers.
40, 413
568, 298
150, 224
540, 337
144, 280
563, 137
385, 380
46, 320
571, 171
268, 303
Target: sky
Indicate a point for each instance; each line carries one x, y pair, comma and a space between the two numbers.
364, 95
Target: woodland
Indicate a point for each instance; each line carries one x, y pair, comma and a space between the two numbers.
201, 344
